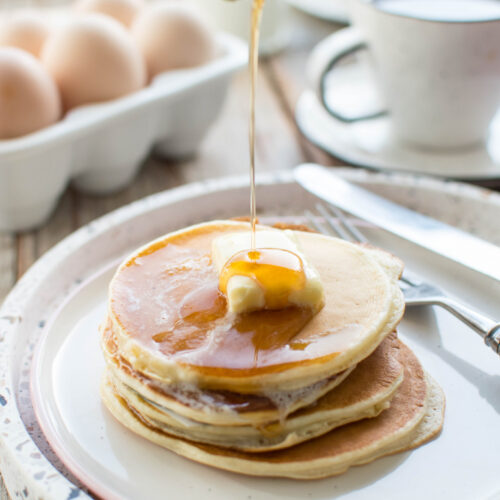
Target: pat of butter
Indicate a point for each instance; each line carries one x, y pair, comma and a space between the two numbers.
243, 293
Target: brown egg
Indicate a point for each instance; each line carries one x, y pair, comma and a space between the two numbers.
173, 35
29, 99
123, 11
92, 59
25, 29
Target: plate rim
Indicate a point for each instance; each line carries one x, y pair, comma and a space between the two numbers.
26, 288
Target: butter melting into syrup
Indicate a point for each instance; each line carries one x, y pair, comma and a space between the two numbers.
184, 315
278, 272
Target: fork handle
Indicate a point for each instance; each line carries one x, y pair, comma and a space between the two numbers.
483, 325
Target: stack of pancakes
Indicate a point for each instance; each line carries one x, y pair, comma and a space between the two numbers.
271, 393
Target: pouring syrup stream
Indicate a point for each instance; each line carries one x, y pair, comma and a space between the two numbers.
254, 63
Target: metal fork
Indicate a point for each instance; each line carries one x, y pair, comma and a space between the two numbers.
416, 291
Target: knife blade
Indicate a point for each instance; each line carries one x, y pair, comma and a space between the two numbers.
429, 233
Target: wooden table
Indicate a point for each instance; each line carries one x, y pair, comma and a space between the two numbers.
224, 152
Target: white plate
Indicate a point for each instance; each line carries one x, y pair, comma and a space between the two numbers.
371, 144
331, 10
62, 299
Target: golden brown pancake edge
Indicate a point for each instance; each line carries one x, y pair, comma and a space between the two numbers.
364, 394
415, 416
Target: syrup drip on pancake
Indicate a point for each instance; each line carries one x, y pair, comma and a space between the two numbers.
278, 272
254, 66
195, 311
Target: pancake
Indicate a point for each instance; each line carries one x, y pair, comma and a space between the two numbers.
223, 408
171, 322
364, 394
414, 417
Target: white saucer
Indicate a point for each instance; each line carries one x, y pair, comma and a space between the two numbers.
60, 301
370, 143
330, 10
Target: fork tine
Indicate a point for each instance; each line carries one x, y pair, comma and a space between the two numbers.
322, 227
349, 232
313, 221
335, 226
319, 225
349, 226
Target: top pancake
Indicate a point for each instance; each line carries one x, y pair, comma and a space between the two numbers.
171, 322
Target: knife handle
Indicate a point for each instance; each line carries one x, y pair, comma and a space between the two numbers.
483, 325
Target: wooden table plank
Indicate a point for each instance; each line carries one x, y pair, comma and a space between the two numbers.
3, 492
8, 262
60, 224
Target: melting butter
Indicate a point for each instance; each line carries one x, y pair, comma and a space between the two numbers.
275, 275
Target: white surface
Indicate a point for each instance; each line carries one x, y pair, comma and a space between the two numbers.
371, 143
100, 147
331, 10
103, 453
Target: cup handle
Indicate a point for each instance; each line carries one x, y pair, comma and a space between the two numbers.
325, 56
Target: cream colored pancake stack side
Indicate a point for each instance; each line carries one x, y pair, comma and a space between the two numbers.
414, 417
194, 403
365, 393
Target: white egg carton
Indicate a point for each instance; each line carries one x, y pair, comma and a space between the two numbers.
100, 147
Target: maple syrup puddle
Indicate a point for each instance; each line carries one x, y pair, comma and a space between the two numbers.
184, 315
206, 309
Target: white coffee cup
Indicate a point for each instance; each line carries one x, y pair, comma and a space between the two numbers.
438, 70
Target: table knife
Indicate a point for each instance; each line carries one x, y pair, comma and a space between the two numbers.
429, 233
